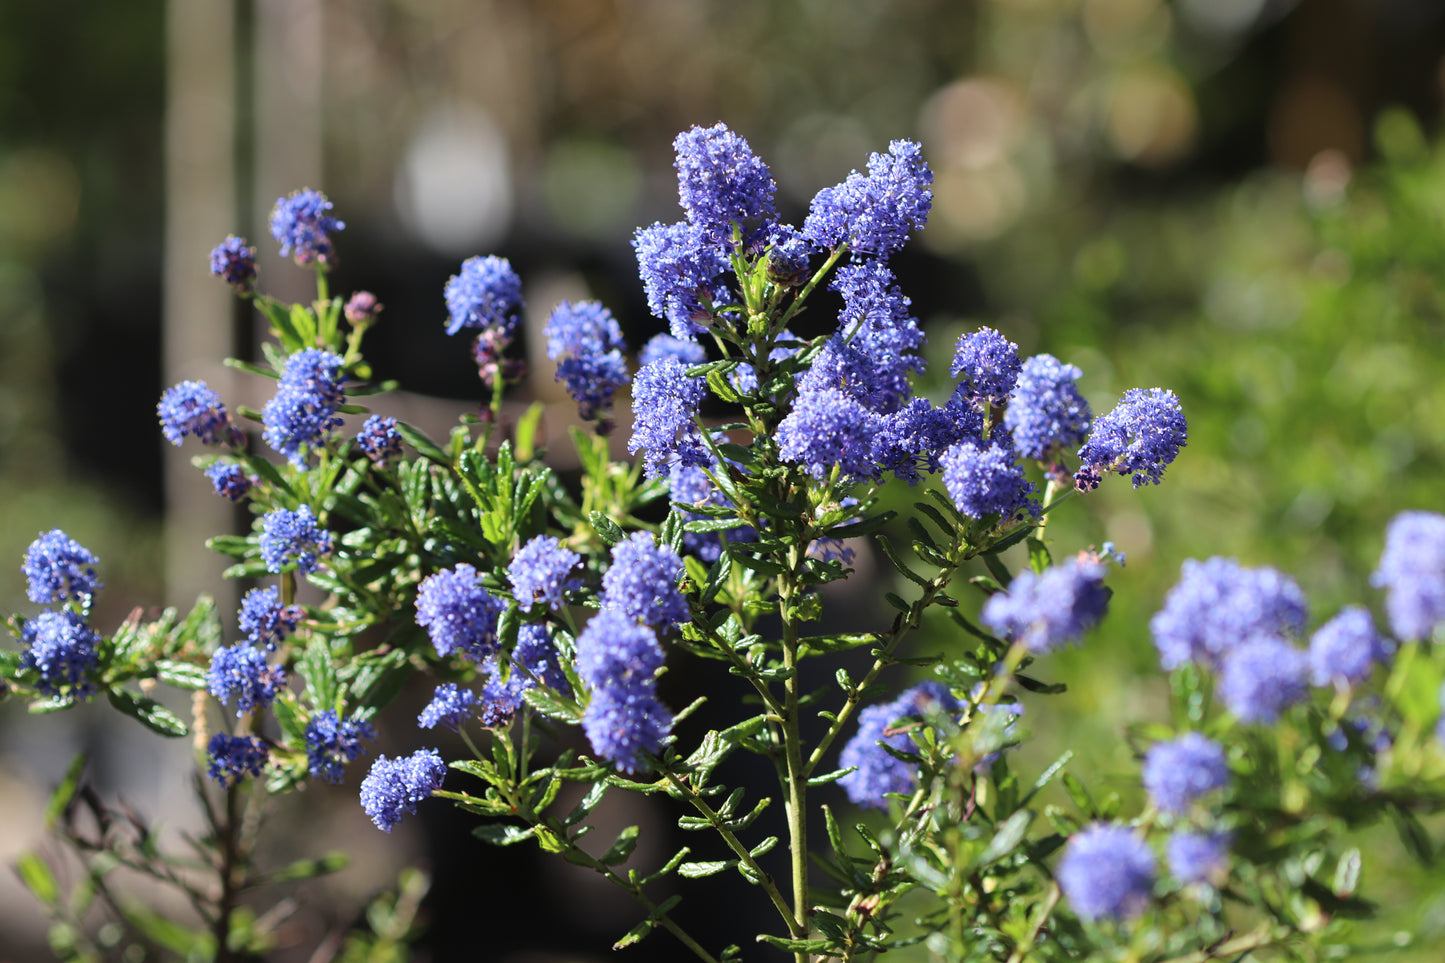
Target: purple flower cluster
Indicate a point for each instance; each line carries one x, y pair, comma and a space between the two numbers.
662, 347
874, 213
642, 582
241, 672
1046, 412
539, 573
986, 481
586, 342
229, 480
1262, 677
192, 408
1198, 857
265, 620
486, 293
827, 429
721, 182
618, 659
233, 757
62, 650
59, 569
1219, 604
395, 787
362, 308
1107, 872
332, 742
534, 661
379, 440
987, 366
458, 613
300, 224
1043, 612
293, 538
234, 261
304, 408
876, 772
1412, 573
681, 275
664, 416
1345, 649
1141, 436
451, 705
1178, 772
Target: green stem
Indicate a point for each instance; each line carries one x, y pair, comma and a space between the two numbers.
744, 856
797, 773
813, 282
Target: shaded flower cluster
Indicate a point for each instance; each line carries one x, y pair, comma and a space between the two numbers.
1050, 609
332, 742
380, 440
241, 672
264, 620
234, 261
458, 614
231, 758
293, 538
877, 772
586, 342
534, 661
229, 480
395, 787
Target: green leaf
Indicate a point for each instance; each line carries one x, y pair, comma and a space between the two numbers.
861, 527
796, 946
1079, 793
182, 675
1347, 873
646, 926
64, 792
883, 543
38, 878
148, 712
423, 445
503, 834
620, 850
607, 530
307, 869
1039, 557
998, 570
706, 868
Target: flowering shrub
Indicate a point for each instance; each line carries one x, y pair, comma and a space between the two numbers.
517, 596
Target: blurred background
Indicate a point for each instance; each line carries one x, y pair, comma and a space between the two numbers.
1241, 200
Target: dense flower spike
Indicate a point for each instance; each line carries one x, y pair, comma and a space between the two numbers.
1261, 678
586, 342
539, 573
62, 649
231, 758
486, 294
664, 416
229, 480
874, 213
1178, 772
234, 261
289, 537
1346, 648
827, 429
984, 481
914, 438
450, 706
681, 274
1219, 604
642, 582
304, 408
458, 613
1045, 611
395, 787
264, 619
379, 440
615, 652
241, 672
1198, 857
1046, 413
875, 772
878, 327
987, 366
789, 255
721, 182
534, 661
1141, 435
1412, 573
622, 727
58, 569
662, 347
332, 742
300, 224
1107, 872
192, 408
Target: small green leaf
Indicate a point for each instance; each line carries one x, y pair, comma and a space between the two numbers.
182, 675
148, 712
1347, 873
620, 850
37, 878
607, 530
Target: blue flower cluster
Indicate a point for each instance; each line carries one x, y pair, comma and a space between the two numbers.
987, 481
1198, 857
539, 573
332, 742
987, 365
229, 480
379, 440
395, 787
618, 659
1347, 648
1141, 436
62, 650
233, 757
293, 538
1178, 772
1046, 412
264, 620
451, 705
665, 404
681, 275
721, 182
662, 347
1107, 872
486, 293
642, 582
874, 213
300, 224
690, 485
1045, 611
241, 672
586, 342
458, 614
234, 261
876, 771
58, 569
304, 408
1412, 573
534, 662
192, 408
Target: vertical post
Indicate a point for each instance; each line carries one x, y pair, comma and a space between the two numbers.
197, 311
